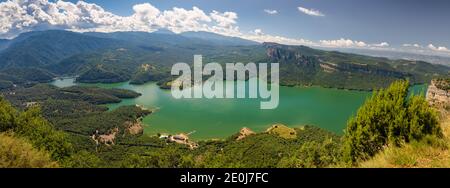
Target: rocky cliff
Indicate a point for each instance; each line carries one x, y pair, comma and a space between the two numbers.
438, 95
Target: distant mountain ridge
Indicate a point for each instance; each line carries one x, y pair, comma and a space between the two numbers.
37, 49
400, 55
307, 66
218, 39
120, 56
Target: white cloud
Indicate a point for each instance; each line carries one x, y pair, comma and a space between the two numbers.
412, 45
310, 12
429, 47
258, 32
269, 11
438, 48
342, 43
18, 16
181, 20
383, 44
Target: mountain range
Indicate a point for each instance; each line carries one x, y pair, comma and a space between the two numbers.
141, 57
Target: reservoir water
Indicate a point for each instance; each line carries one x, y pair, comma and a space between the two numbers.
219, 118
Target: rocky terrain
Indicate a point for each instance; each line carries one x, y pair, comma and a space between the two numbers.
439, 96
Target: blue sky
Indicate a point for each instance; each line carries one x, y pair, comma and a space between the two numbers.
395, 21
411, 25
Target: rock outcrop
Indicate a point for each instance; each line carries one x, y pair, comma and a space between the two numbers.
436, 96
244, 132
134, 128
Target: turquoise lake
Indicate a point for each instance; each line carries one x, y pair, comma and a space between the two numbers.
219, 118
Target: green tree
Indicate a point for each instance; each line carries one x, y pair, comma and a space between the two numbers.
7, 115
313, 155
422, 119
82, 159
389, 117
30, 125
40, 132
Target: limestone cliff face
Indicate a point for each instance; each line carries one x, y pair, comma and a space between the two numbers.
283, 53
440, 98
308, 59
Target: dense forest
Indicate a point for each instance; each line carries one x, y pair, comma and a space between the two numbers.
139, 57
45, 126
56, 132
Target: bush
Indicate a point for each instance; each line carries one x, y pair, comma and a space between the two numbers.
7, 115
33, 127
42, 135
389, 117
18, 153
82, 159
314, 155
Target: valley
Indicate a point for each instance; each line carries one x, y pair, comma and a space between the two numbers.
101, 100
220, 118
141, 57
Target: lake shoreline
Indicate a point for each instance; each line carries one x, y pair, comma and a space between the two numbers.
282, 85
327, 108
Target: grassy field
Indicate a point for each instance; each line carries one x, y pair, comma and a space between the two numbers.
428, 153
282, 131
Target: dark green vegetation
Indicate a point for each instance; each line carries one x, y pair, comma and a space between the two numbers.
72, 121
141, 57
390, 117
98, 74
77, 108
73, 118
25, 76
73, 147
148, 73
255, 151
30, 125
6, 84
58, 123
307, 66
43, 92
42, 48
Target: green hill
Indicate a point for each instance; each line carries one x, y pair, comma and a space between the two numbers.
119, 56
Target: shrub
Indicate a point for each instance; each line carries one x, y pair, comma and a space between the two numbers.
42, 135
18, 153
30, 125
7, 115
389, 117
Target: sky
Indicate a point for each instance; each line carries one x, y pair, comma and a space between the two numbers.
416, 26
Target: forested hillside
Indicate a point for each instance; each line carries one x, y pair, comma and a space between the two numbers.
121, 56
57, 131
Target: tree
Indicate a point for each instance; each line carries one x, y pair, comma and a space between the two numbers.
313, 155
82, 159
7, 115
41, 133
389, 117
30, 125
